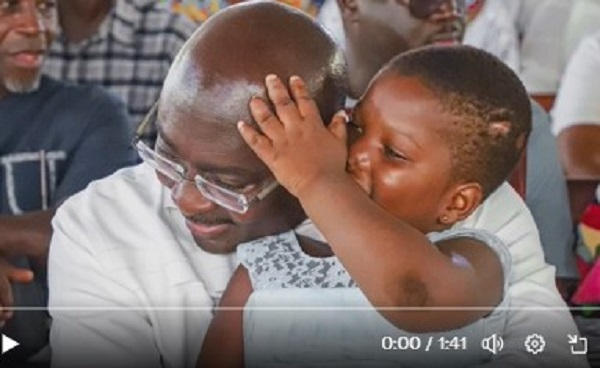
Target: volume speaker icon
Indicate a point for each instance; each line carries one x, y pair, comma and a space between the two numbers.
493, 344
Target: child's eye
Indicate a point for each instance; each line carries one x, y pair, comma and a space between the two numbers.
389, 152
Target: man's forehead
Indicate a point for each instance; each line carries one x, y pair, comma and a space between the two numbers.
210, 147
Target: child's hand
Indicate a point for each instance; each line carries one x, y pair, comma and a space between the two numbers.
295, 144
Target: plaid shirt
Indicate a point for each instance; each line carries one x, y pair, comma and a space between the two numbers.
129, 55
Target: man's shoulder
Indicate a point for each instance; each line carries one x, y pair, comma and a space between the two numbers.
78, 97
120, 195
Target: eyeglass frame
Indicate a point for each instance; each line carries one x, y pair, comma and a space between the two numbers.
244, 200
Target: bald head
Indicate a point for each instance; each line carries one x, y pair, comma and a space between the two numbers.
207, 92
226, 60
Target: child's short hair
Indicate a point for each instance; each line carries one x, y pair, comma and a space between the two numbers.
479, 90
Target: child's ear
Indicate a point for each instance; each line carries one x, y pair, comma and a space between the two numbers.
348, 9
464, 199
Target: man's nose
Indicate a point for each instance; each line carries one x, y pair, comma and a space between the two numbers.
449, 10
190, 200
29, 18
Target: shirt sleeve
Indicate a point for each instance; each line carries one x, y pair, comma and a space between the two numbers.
104, 147
93, 324
547, 197
577, 100
489, 239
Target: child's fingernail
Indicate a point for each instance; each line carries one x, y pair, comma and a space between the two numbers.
241, 125
271, 78
342, 114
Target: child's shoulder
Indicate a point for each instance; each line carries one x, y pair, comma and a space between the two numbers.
278, 261
484, 237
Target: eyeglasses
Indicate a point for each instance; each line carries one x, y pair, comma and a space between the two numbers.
423, 9
229, 199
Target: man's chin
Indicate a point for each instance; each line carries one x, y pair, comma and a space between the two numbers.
25, 84
215, 246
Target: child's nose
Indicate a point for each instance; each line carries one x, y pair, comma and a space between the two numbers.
359, 167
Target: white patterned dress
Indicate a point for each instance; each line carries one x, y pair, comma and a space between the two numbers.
307, 312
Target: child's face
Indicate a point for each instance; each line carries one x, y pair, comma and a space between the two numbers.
400, 156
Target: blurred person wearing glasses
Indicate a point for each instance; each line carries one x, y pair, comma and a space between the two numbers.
139, 260
55, 138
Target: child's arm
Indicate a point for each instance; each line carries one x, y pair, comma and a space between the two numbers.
394, 264
224, 342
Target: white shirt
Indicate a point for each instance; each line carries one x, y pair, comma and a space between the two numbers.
522, 11
543, 47
583, 21
331, 18
494, 31
578, 100
120, 254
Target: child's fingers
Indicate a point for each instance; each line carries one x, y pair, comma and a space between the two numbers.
338, 126
19, 275
284, 105
306, 105
6, 297
267, 121
260, 144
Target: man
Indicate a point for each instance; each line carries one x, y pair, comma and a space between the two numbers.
139, 260
126, 46
55, 139
378, 30
167, 245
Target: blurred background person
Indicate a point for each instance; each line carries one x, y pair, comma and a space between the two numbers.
577, 121
577, 127
125, 46
55, 138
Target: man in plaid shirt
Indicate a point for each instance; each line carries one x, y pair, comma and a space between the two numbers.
126, 46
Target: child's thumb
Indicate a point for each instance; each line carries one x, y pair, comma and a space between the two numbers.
337, 127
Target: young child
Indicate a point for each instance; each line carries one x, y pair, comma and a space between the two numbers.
438, 130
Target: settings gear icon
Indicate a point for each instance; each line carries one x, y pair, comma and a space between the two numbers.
535, 344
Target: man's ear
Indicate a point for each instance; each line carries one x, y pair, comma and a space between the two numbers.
348, 9
464, 199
